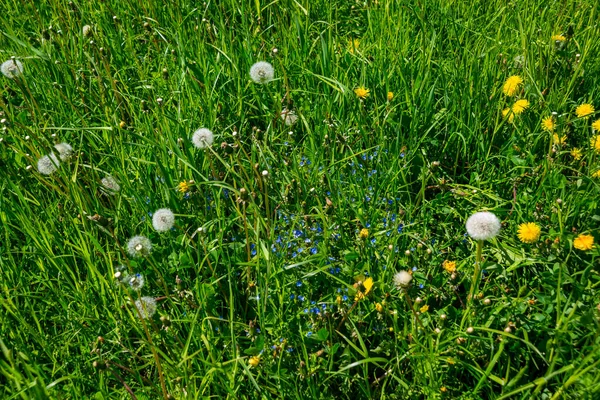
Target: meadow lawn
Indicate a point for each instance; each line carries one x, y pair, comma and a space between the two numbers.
269, 199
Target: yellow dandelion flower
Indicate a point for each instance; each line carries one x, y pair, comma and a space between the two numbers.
353, 45
183, 187
520, 106
254, 361
390, 96
508, 113
512, 85
584, 110
379, 307
595, 143
596, 174
529, 232
425, 308
548, 124
559, 38
596, 125
449, 266
443, 389
576, 153
559, 140
583, 242
362, 92
368, 285
364, 233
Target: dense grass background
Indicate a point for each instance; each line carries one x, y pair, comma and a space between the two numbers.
274, 276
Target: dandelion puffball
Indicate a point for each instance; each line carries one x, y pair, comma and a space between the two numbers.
136, 281
203, 138
483, 225
146, 307
65, 151
139, 246
402, 279
47, 165
163, 219
262, 72
12, 68
111, 184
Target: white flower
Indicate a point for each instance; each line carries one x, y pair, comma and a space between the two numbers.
146, 307
163, 219
262, 72
139, 246
483, 225
289, 117
402, 279
11, 68
65, 151
111, 184
47, 165
203, 138
136, 281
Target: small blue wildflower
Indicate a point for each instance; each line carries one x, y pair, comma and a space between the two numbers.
298, 283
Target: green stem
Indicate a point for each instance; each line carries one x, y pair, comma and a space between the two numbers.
475, 282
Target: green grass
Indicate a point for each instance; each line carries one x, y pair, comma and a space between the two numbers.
411, 170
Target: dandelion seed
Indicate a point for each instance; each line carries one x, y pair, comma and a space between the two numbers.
139, 246
584, 110
483, 225
110, 184
402, 279
512, 85
262, 72
520, 106
289, 117
47, 165
136, 281
12, 68
529, 232
163, 220
65, 151
203, 138
584, 242
362, 92
146, 307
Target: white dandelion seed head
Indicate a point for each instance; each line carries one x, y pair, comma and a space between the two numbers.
289, 117
139, 246
47, 165
483, 225
110, 184
136, 281
203, 138
402, 279
87, 30
163, 219
12, 68
65, 151
146, 307
262, 72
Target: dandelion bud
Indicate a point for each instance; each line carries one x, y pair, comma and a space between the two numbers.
470, 330
265, 173
275, 51
407, 252
165, 320
438, 330
391, 247
507, 329
558, 201
435, 164
428, 251
27, 168
443, 316
165, 73
100, 339
487, 302
418, 300
27, 137
453, 276
99, 365
159, 101
244, 194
